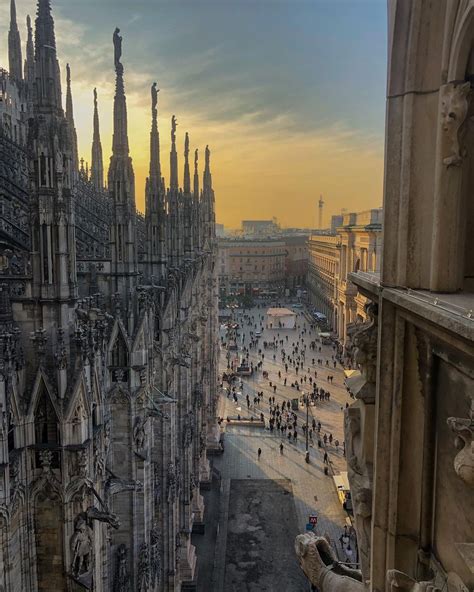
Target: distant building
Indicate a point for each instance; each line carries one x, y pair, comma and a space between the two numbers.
220, 230
359, 250
259, 227
323, 258
296, 261
251, 266
354, 246
336, 221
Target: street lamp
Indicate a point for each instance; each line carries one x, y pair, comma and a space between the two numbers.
306, 399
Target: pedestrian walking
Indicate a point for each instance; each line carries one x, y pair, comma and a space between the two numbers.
259, 452
281, 447
326, 458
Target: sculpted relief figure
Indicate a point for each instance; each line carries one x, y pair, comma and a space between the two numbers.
360, 479
365, 343
455, 104
464, 442
139, 433
155, 555
322, 568
122, 576
144, 569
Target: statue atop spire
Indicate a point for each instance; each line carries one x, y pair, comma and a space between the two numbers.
14, 46
70, 120
117, 50
154, 100
155, 167
120, 139
196, 176
173, 156
187, 176
97, 165
174, 124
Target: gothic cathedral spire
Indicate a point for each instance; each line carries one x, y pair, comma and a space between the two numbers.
121, 185
54, 285
14, 46
187, 177
155, 215
29, 72
72, 127
97, 166
47, 75
196, 177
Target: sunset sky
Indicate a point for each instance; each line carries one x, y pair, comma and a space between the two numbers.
289, 94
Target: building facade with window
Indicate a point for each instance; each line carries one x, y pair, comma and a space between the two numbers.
360, 249
251, 266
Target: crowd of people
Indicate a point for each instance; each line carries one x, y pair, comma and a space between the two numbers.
286, 360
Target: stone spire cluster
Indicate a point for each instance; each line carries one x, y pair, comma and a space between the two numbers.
97, 164
14, 46
108, 345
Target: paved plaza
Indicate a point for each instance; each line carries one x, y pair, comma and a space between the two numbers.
310, 491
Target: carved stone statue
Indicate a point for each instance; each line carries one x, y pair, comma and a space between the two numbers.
188, 430
455, 106
81, 547
186, 144
117, 48
322, 568
143, 577
464, 442
155, 556
122, 576
172, 482
174, 123
139, 433
397, 580
154, 98
365, 342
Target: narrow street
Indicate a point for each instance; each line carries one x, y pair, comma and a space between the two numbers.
281, 485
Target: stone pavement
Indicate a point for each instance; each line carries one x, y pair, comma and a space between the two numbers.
261, 528
312, 491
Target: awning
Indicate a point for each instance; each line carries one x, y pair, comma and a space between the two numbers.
354, 381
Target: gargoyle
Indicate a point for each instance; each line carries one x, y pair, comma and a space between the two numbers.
322, 568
